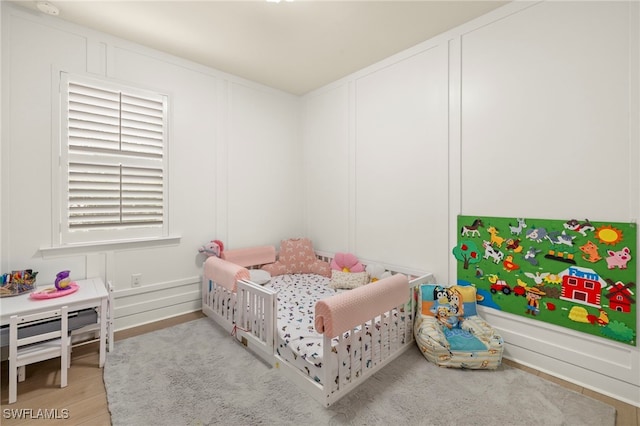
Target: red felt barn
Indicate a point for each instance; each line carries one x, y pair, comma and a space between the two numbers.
620, 296
581, 285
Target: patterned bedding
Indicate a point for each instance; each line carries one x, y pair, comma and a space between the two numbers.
297, 341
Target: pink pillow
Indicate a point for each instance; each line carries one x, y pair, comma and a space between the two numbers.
297, 257
346, 262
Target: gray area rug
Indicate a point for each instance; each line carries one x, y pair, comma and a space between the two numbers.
196, 374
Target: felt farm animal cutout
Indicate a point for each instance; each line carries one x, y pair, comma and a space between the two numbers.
514, 245
530, 256
556, 237
618, 258
472, 229
490, 252
536, 234
517, 230
495, 239
591, 250
212, 248
509, 265
582, 228
538, 277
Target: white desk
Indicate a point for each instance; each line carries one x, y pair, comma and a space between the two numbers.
91, 294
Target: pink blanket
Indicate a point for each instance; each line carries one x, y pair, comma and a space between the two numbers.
252, 256
342, 312
224, 273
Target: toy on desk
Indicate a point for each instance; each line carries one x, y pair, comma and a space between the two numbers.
212, 248
62, 286
63, 280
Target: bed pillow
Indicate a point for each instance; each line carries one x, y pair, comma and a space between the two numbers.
376, 272
297, 257
346, 262
347, 280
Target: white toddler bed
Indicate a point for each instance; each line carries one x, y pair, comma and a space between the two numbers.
326, 342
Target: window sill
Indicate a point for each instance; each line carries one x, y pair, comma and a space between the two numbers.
73, 249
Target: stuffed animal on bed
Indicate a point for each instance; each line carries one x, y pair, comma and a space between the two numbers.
212, 248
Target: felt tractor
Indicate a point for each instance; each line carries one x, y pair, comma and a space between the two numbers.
498, 285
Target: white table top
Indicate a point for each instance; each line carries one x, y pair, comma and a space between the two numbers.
90, 293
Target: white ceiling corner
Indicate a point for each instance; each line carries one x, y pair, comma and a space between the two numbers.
293, 46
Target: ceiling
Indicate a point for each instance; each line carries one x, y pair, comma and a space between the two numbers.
293, 46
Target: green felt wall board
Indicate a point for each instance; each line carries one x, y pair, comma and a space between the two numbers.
578, 274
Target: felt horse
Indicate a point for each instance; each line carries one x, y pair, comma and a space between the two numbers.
472, 229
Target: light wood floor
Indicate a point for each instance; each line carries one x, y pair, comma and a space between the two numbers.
85, 400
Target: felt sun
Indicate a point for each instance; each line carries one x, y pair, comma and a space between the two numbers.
609, 235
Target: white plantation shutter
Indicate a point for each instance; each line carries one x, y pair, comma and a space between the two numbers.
113, 160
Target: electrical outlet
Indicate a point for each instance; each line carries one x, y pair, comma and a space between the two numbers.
135, 280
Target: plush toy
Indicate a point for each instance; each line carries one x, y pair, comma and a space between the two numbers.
447, 318
449, 308
212, 248
63, 280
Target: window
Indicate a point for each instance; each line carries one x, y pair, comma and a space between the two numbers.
112, 162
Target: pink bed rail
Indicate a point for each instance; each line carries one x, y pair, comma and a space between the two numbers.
243, 308
346, 310
225, 273
251, 256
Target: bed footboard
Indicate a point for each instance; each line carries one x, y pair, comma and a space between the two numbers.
243, 308
256, 319
218, 303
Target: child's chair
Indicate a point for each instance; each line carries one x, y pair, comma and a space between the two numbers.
29, 350
449, 331
93, 330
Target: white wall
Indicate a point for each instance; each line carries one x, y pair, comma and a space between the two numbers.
369, 192
519, 113
216, 184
